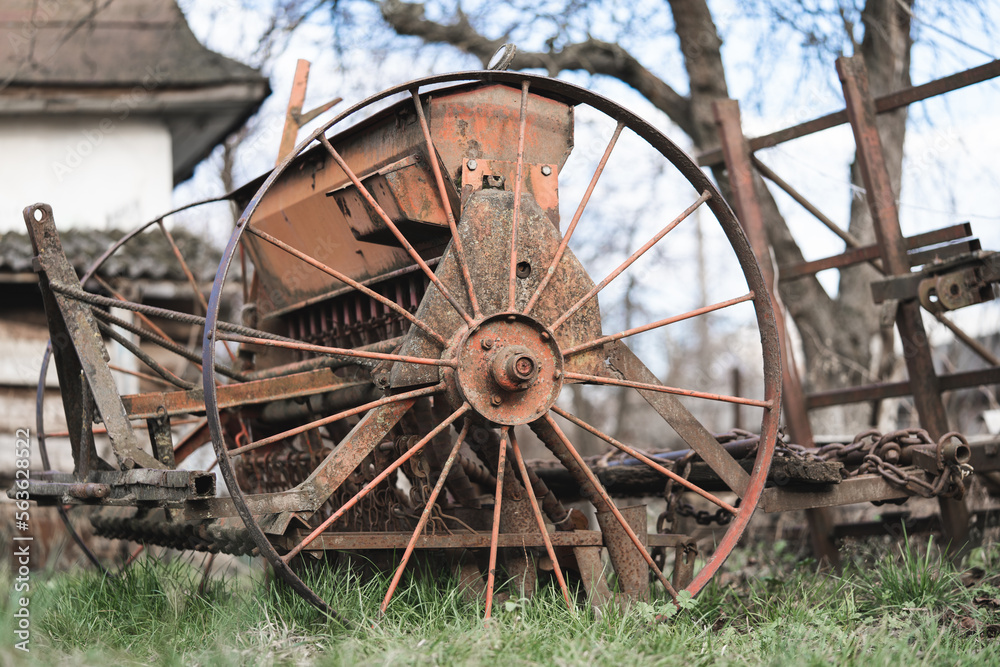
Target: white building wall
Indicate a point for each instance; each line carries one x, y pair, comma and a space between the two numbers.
96, 172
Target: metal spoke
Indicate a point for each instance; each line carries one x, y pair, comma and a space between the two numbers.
394, 229
576, 219
541, 521
165, 343
184, 267
143, 376
151, 363
495, 534
426, 514
522, 126
388, 303
631, 451
456, 241
597, 342
190, 277
416, 393
611, 505
145, 320
594, 379
705, 196
334, 351
381, 477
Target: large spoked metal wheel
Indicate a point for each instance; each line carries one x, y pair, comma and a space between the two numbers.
508, 325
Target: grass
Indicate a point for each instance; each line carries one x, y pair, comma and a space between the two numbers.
906, 605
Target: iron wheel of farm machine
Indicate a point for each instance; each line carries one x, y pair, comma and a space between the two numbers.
166, 363
425, 244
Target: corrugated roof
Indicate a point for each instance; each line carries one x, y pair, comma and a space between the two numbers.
148, 256
107, 43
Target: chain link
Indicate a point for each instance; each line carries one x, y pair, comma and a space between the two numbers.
880, 454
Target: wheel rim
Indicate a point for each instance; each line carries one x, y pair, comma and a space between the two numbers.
470, 397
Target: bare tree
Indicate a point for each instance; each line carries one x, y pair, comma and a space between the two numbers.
605, 39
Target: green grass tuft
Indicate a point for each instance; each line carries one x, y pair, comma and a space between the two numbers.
911, 580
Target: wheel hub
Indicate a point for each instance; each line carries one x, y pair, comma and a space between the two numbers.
509, 369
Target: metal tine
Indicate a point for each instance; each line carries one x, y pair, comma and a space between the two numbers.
381, 477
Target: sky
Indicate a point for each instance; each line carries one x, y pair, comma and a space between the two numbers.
950, 173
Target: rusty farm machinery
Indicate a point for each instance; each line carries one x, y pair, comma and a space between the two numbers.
411, 316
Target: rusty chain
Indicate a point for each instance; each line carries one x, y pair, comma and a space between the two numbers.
881, 454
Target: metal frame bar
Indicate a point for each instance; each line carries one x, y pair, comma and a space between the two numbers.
883, 104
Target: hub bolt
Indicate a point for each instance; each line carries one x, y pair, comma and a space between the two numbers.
514, 368
487, 344
495, 399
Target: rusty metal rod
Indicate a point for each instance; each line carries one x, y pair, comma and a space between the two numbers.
872, 392
611, 505
394, 229
883, 104
391, 468
151, 363
645, 459
541, 521
165, 343
316, 363
416, 393
425, 515
190, 277
848, 238
456, 240
576, 219
100, 430
145, 320
667, 390
388, 303
335, 351
705, 196
167, 314
654, 325
495, 532
522, 126
144, 376
973, 344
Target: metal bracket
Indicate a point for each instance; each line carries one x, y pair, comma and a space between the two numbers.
958, 282
80, 356
122, 487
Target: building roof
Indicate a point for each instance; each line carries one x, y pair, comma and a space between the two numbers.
147, 256
115, 56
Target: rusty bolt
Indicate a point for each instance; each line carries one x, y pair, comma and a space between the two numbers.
524, 367
546, 170
558, 374
486, 343
495, 399
545, 335
514, 368
472, 164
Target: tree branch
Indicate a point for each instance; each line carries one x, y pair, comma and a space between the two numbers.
592, 55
